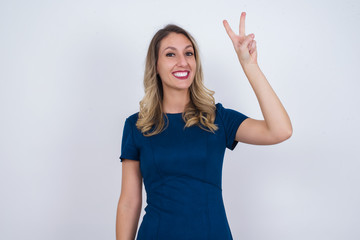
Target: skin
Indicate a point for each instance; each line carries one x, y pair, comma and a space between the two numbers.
176, 95
130, 201
275, 128
176, 53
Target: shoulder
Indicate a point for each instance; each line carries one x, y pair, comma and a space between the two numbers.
130, 121
219, 112
229, 115
133, 118
219, 106
220, 109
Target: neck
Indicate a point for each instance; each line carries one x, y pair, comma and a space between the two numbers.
175, 101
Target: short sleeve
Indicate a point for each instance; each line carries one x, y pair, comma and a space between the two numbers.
231, 120
129, 150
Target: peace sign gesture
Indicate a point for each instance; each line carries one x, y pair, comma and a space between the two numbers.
244, 45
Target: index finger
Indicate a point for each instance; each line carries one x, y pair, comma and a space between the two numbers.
242, 24
228, 29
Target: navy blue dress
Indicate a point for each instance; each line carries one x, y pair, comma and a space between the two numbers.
182, 173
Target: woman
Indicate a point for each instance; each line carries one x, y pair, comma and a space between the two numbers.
176, 142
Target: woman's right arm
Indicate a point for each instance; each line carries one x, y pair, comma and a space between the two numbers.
130, 202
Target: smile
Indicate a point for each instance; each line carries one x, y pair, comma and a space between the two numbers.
181, 74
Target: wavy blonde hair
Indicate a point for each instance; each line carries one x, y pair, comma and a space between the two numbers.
201, 108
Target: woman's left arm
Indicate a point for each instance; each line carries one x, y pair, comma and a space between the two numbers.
276, 126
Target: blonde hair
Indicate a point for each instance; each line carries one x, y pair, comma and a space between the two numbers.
201, 108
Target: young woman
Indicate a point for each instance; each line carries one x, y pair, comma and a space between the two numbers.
176, 142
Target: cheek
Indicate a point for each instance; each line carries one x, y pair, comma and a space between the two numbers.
163, 66
193, 65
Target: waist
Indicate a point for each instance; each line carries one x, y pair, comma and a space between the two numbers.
183, 197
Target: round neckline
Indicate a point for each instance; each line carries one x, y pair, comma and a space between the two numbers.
173, 113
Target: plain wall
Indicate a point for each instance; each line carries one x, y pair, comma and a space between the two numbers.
71, 72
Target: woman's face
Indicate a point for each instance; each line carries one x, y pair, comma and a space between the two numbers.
176, 62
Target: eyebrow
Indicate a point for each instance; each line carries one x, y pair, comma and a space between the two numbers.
173, 48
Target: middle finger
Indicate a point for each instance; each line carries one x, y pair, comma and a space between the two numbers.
242, 24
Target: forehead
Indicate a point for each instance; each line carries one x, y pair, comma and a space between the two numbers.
177, 40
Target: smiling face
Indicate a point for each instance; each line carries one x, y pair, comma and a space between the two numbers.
176, 63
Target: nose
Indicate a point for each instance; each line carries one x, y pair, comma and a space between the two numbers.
182, 61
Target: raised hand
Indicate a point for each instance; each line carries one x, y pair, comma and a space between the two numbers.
244, 45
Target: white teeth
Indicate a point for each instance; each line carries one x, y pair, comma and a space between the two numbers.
181, 74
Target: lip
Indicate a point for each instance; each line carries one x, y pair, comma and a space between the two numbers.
182, 77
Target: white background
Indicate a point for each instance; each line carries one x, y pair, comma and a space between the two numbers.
71, 72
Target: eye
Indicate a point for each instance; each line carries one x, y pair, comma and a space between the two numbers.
169, 54
189, 53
